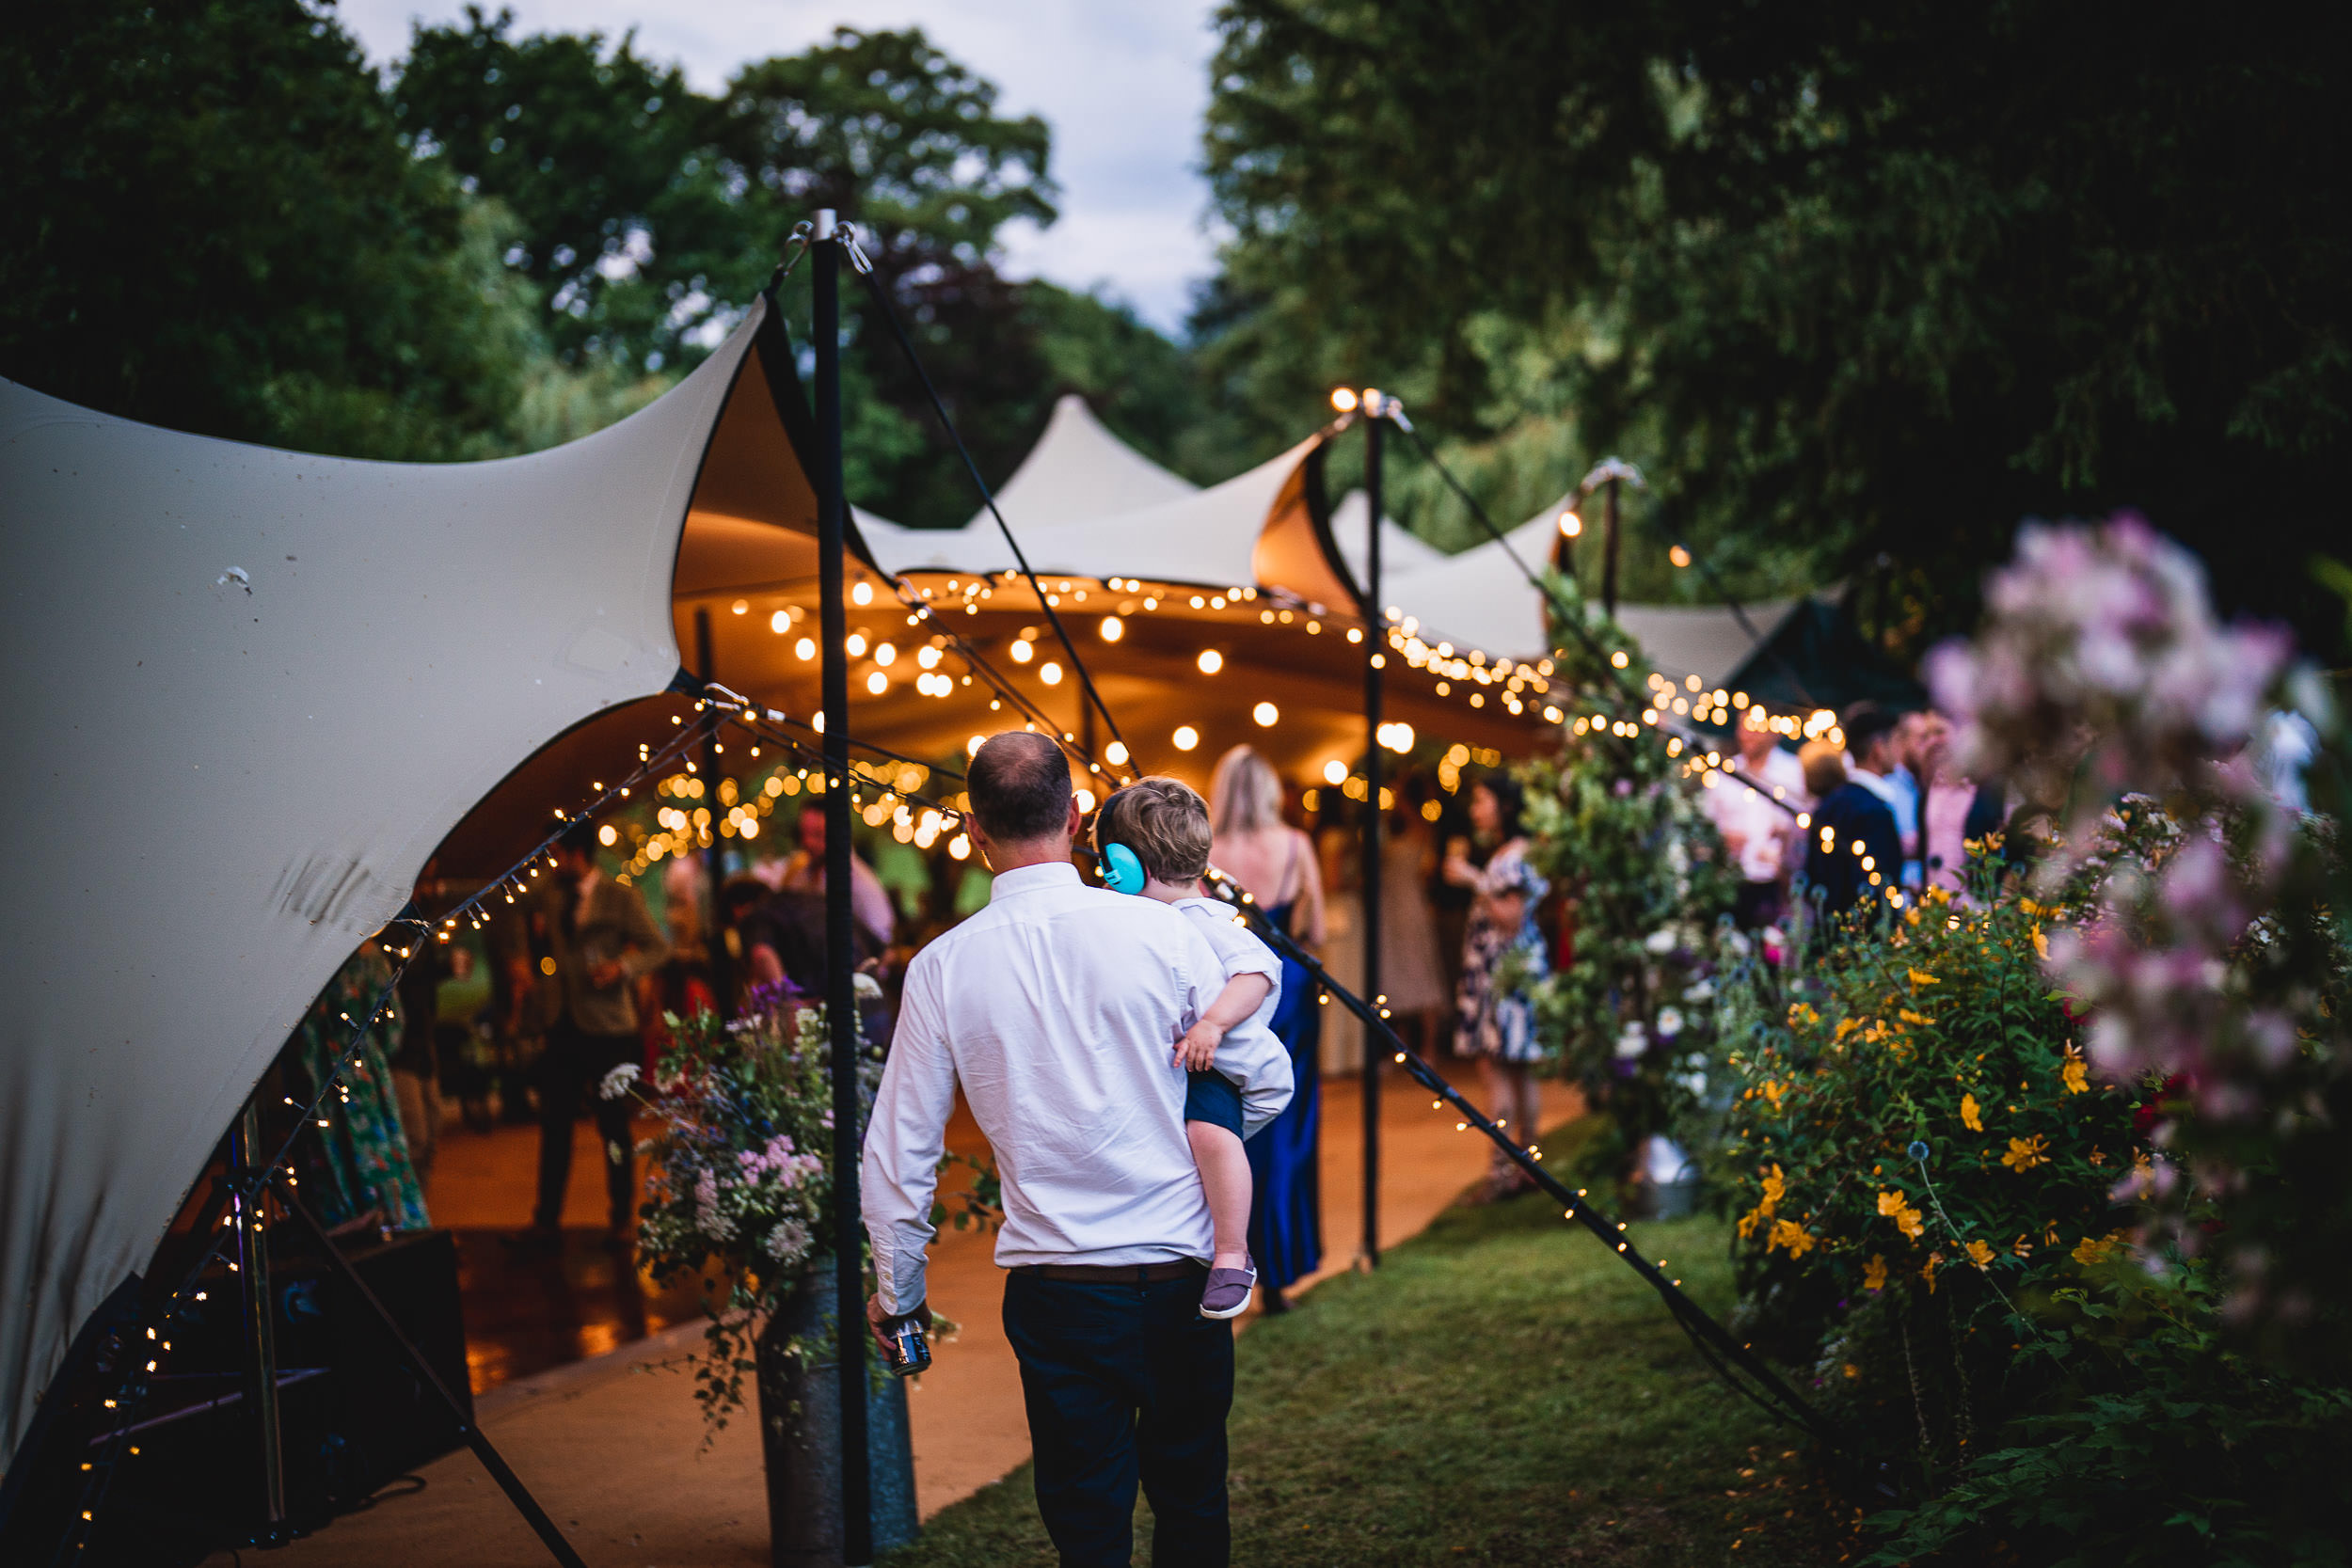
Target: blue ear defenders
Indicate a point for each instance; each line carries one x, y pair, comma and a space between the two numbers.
1122, 870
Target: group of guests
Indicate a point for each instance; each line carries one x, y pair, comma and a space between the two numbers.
1882, 813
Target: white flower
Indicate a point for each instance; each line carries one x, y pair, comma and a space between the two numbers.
866, 988
1662, 941
616, 1083
1669, 1023
1631, 1043
1703, 990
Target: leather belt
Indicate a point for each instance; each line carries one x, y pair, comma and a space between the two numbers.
1117, 1273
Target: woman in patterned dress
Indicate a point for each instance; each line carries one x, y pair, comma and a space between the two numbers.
1493, 1023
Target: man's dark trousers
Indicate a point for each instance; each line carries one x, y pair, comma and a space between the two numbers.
1125, 1380
569, 1073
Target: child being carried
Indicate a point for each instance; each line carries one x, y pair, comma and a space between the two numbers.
1165, 824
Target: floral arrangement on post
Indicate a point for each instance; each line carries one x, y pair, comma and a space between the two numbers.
740, 1180
1615, 821
2210, 952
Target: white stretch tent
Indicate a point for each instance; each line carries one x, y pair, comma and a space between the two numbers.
1480, 598
248, 692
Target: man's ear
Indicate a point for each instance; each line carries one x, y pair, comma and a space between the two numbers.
1077, 819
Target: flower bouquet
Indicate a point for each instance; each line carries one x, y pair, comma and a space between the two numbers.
739, 1178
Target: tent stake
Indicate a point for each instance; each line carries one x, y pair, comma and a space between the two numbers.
857, 1512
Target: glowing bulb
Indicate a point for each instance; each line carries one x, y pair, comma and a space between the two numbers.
878, 682
1266, 714
781, 621
1344, 399
607, 836
1334, 771
1618, 658
804, 649
1023, 650
971, 747
1570, 523
1086, 800
740, 606
862, 594
1112, 629
1050, 673
1211, 661
959, 848
1185, 738
1115, 752
1397, 737
1680, 555
856, 644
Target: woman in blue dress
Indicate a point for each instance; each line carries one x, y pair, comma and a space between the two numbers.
1275, 863
1494, 1022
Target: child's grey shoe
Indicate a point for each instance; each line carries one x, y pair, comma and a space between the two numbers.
1228, 1293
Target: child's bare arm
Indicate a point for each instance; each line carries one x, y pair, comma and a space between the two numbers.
1233, 1005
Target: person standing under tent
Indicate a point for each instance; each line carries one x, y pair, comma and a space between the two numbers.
873, 919
1760, 831
601, 939
1853, 849
1412, 972
1275, 864
1496, 1025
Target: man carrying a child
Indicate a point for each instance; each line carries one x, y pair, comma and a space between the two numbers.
1064, 1012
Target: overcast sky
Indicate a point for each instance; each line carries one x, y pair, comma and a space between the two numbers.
1122, 82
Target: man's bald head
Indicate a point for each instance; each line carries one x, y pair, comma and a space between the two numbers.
1020, 788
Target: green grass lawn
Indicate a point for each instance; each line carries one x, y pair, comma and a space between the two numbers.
1503, 1390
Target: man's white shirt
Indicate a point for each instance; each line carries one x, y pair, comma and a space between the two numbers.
1057, 1006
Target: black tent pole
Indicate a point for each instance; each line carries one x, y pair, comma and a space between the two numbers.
857, 1512
259, 1323
1375, 642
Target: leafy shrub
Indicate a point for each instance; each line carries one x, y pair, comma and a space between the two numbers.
1917, 1157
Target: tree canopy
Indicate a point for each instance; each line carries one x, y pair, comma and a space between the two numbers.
1853, 282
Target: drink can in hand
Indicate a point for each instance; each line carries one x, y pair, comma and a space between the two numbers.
910, 1349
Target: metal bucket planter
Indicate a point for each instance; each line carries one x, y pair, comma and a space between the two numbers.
800, 1426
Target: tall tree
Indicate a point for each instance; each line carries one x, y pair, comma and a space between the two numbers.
214, 228
1873, 280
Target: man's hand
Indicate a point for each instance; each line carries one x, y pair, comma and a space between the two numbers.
606, 973
877, 1315
1197, 1051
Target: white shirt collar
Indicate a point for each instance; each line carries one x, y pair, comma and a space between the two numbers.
1032, 879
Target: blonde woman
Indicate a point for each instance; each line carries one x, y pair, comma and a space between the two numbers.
1275, 864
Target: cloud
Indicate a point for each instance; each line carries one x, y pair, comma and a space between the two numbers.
1123, 85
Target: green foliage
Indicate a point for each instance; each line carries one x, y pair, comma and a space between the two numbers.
1614, 821
2164, 1445
628, 227
217, 229
1915, 1147
1859, 281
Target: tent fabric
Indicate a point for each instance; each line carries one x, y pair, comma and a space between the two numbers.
252, 690
1078, 474
1401, 551
1817, 657
1481, 599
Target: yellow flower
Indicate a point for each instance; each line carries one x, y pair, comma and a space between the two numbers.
1969, 1114
1773, 1091
1788, 1233
1897, 1208
1847, 1027
2093, 1250
2075, 1074
2041, 942
1775, 1185
1927, 1271
1980, 1255
1910, 1016
1874, 1273
1921, 977
1802, 1013
2026, 1153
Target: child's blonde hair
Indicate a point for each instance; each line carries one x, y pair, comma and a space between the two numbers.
1164, 822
